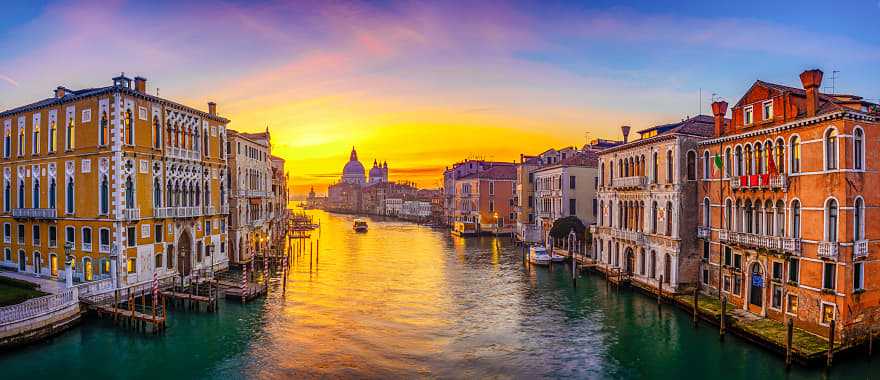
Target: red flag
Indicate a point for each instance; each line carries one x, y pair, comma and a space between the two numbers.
743, 181
765, 179
771, 166
753, 180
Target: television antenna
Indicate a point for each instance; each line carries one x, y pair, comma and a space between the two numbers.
833, 81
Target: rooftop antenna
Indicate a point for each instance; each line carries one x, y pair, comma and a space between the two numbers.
157, 92
700, 108
833, 81
587, 137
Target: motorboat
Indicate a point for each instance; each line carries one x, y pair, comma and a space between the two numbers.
538, 255
360, 225
464, 229
556, 258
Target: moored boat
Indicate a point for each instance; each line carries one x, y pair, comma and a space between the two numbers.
464, 229
538, 255
360, 225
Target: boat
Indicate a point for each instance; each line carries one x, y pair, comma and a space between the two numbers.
538, 255
360, 225
556, 258
464, 229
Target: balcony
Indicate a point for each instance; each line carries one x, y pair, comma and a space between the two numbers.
183, 154
252, 193
165, 212
634, 182
774, 243
704, 232
827, 250
34, 213
257, 222
633, 236
759, 181
860, 249
130, 214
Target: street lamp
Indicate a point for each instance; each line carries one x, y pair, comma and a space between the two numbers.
69, 260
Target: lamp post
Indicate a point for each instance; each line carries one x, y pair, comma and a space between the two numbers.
68, 262
114, 256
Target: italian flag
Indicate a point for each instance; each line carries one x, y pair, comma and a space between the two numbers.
716, 169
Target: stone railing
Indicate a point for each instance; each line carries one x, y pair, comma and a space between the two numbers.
164, 212
34, 213
634, 182
256, 193
779, 181
130, 213
94, 287
776, 243
704, 232
210, 210
257, 222
827, 250
633, 236
182, 154
860, 249
36, 307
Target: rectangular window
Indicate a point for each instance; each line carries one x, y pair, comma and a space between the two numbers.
53, 236
737, 285
595, 207
86, 115
776, 298
208, 229
131, 239
159, 235
726, 284
21, 234
793, 270
132, 265
69, 235
737, 261
531, 177
777, 271
859, 275
36, 234
7, 233
572, 183
828, 276
572, 206
491, 206
792, 307
747, 115
706, 250
768, 110
705, 277
728, 256
827, 313
491, 188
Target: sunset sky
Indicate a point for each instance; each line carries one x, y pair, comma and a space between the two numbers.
424, 84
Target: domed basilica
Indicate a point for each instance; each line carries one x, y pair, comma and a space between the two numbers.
353, 172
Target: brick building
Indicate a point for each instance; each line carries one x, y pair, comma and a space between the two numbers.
784, 218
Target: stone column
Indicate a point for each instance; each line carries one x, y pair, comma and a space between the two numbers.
68, 275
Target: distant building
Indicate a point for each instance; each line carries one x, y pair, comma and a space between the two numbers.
566, 188
485, 197
250, 198
452, 211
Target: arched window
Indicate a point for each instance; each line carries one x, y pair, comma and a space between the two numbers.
831, 220
104, 131
858, 149
795, 152
654, 216
739, 161
795, 219
611, 172
669, 167
169, 192
7, 196
779, 159
759, 159
104, 195
35, 197
128, 127
653, 264
748, 219
691, 165
668, 218
601, 174
207, 193
728, 220
52, 191
20, 194
727, 162
750, 161
625, 172
129, 193
780, 219
654, 168
69, 197
858, 219
706, 213
53, 135
831, 149
35, 143
69, 137
759, 218
768, 218
157, 133
198, 196
740, 218
157, 193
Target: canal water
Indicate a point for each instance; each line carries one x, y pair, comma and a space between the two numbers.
403, 301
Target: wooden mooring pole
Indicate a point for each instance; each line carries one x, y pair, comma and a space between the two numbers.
789, 334
830, 342
696, 304
721, 326
574, 276
870, 343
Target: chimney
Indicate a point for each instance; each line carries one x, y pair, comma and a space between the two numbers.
719, 109
140, 84
212, 108
625, 130
812, 79
60, 91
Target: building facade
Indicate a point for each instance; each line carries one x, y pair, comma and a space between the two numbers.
121, 183
646, 198
452, 209
250, 197
567, 188
486, 198
279, 213
784, 221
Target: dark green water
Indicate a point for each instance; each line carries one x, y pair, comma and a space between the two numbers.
405, 301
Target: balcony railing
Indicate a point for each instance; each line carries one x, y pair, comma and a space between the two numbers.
165, 212
183, 154
633, 236
87, 247
130, 214
210, 210
828, 250
35, 213
104, 248
634, 182
860, 249
776, 243
759, 181
704, 232
252, 193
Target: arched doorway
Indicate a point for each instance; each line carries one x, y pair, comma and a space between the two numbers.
38, 264
756, 289
630, 265
667, 269
184, 254
22, 261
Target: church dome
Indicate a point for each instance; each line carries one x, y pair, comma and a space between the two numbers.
353, 171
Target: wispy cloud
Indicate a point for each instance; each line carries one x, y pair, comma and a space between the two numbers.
9, 80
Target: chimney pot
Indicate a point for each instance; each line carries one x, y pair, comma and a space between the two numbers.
812, 79
60, 91
140, 84
212, 108
719, 109
625, 130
